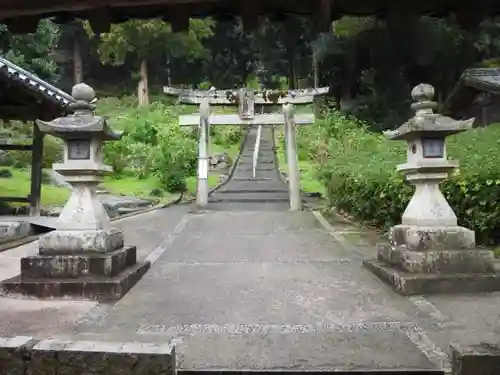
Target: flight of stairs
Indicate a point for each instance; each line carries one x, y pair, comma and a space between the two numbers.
266, 190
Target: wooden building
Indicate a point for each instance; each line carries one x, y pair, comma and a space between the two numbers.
477, 94
23, 16
25, 97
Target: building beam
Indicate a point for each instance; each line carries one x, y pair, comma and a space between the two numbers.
178, 19
99, 20
323, 16
250, 14
36, 171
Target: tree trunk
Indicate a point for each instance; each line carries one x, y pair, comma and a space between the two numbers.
77, 63
315, 71
142, 86
349, 78
169, 72
292, 76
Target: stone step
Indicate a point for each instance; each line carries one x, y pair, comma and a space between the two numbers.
262, 174
251, 189
295, 349
259, 174
257, 185
258, 169
249, 206
265, 164
244, 196
263, 149
249, 156
254, 179
265, 158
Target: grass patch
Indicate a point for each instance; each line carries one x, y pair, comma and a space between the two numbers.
309, 181
141, 188
19, 185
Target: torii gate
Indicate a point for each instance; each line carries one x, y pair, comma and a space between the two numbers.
246, 101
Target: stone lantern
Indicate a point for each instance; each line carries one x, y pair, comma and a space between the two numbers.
83, 167
428, 252
84, 257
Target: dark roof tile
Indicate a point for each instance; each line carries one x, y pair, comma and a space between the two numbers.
31, 81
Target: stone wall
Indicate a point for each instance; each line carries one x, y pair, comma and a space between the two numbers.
22, 355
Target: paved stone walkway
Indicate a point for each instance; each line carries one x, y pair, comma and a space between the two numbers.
261, 290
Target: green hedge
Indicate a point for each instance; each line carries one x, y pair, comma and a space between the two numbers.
358, 169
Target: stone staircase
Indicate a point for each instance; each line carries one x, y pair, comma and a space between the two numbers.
265, 190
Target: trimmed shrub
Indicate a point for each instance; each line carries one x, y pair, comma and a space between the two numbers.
358, 169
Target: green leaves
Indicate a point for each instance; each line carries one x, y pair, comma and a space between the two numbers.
361, 179
153, 144
141, 38
33, 51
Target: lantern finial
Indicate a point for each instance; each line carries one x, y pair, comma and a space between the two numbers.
423, 95
84, 96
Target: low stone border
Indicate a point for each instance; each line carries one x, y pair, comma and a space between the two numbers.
482, 359
4, 246
22, 355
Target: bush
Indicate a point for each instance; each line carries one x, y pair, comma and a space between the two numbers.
358, 169
153, 144
227, 135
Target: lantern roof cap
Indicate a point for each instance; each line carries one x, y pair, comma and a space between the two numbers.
426, 122
83, 123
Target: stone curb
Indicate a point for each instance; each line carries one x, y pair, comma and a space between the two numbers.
22, 355
26, 240
149, 209
336, 236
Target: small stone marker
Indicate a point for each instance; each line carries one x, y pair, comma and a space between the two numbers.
85, 257
428, 251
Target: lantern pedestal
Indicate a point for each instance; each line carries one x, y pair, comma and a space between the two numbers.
428, 252
84, 257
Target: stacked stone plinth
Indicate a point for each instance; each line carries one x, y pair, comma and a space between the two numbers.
429, 252
84, 257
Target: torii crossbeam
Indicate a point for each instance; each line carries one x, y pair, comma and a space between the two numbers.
246, 100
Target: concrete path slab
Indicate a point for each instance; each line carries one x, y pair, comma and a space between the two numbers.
263, 290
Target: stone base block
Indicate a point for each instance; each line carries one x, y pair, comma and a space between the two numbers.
440, 261
80, 265
87, 288
432, 238
23, 355
102, 358
81, 241
482, 359
408, 284
13, 230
